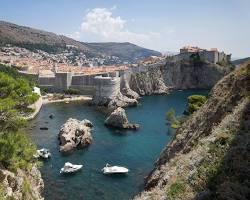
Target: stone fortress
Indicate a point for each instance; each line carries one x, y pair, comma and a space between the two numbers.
86, 84
118, 85
212, 55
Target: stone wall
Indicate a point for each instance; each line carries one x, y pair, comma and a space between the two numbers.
107, 87
62, 81
46, 80
210, 56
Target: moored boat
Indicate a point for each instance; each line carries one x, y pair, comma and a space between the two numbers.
70, 168
108, 169
42, 153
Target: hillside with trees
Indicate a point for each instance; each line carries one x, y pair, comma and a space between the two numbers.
16, 148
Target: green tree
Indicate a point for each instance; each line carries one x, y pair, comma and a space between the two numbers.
16, 148
16, 151
195, 102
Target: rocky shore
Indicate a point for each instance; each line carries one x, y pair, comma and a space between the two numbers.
75, 134
208, 157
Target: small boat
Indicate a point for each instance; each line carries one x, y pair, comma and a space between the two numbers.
43, 153
66, 102
44, 128
108, 169
70, 168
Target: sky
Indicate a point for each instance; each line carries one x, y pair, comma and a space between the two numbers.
163, 25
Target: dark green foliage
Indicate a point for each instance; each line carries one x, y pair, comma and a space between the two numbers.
196, 59
194, 103
72, 91
10, 121
15, 93
16, 151
49, 48
12, 71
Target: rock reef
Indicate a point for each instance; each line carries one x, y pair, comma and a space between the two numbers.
118, 119
209, 156
75, 134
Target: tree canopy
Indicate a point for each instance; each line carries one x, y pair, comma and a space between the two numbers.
16, 148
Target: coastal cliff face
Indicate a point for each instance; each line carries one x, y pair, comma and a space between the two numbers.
26, 185
209, 157
148, 82
188, 75
177, 75
159, 79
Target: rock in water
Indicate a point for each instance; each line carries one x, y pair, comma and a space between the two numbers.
118, 119
75, 134
51, 116
122, 101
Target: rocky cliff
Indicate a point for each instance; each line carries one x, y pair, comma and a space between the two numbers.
148, 82
209, 157
177, 75
188, 75
26, 185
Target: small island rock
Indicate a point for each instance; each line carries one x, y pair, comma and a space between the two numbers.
118, 119
75, 134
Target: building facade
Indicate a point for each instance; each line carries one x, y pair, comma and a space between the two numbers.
211, 55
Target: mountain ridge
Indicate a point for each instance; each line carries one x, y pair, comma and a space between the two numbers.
37, 39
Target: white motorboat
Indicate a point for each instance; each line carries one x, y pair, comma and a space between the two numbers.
70, 168
43, 153
108, 169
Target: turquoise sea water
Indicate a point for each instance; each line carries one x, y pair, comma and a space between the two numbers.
136, 150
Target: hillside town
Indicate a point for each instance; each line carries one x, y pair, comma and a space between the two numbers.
38, 60
41, 62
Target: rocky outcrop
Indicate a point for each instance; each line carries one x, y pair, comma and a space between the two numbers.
176, 75
121, 100
21, 185
148, 82
118, 100
75, 134
118, 119
188, 75
209, 156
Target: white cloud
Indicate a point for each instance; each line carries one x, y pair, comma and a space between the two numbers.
100, 25
76, 35
106, 27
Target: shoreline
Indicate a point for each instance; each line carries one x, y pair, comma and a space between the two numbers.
85, 98
37, 106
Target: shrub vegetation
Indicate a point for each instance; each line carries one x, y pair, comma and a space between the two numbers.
195, 102
72, 91
16, 149
171, 117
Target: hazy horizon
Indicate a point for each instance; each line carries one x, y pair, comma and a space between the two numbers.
159, 25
